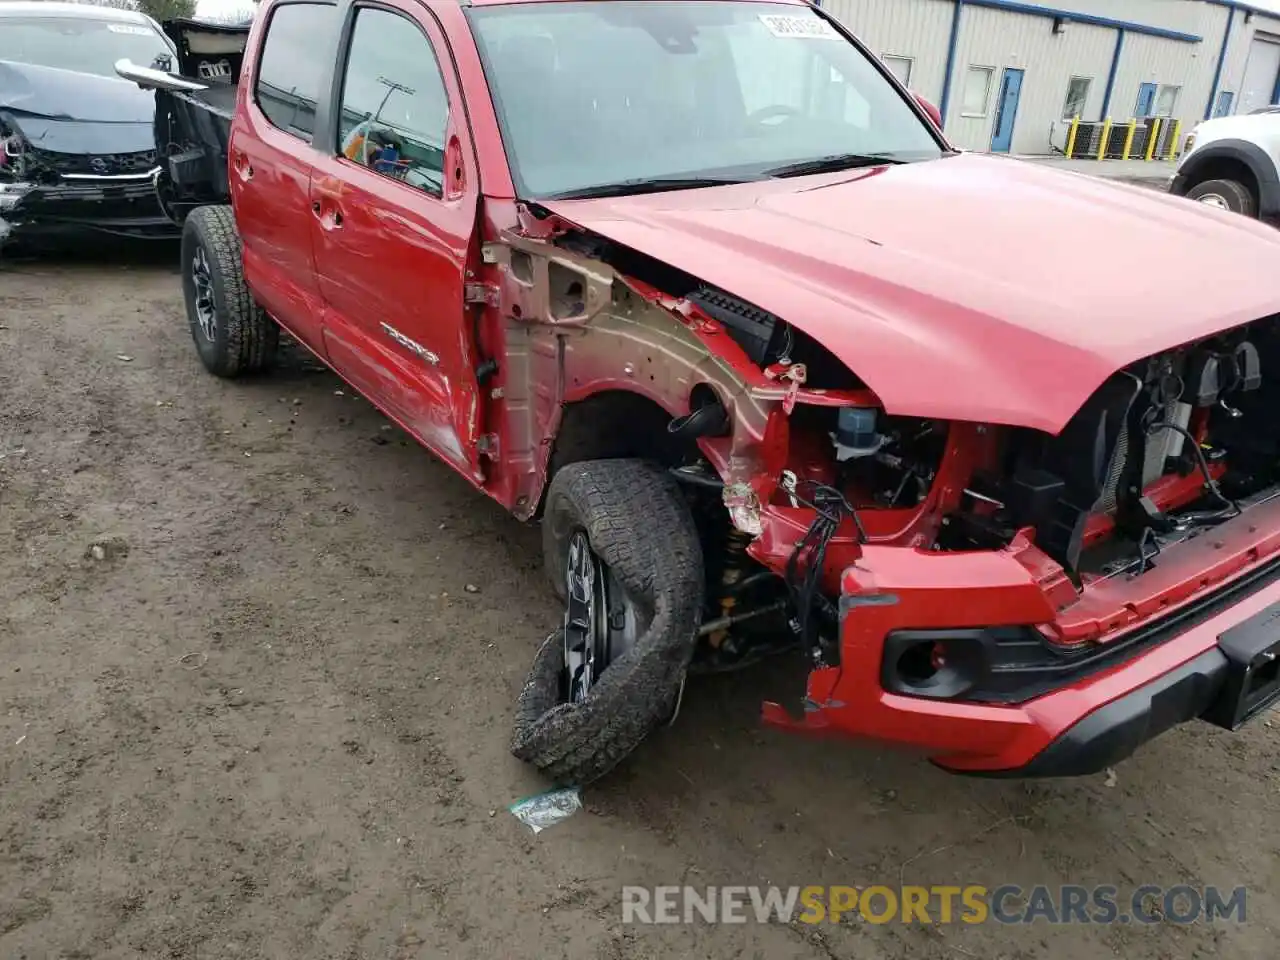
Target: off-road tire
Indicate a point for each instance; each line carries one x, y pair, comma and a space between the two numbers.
245, 338
1234, 195
639, 524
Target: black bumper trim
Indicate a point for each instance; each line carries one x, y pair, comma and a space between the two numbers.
142, 228
1114, 731
71, 208
1019, 682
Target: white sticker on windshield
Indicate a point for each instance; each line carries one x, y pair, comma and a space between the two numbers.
798, 28
129, 28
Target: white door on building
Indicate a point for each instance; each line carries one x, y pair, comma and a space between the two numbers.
1260, 75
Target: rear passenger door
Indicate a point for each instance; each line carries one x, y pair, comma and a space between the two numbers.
394, 204
272, 157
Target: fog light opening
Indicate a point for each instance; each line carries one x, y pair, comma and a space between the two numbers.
921, 662
935, 663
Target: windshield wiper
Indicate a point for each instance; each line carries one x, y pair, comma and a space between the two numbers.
626, 188
831, 164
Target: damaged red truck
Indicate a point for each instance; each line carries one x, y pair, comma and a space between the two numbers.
704, 289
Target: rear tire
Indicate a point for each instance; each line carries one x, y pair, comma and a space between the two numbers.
232, 333
638, 525
1225, 195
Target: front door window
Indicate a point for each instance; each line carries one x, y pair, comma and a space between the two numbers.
394, 105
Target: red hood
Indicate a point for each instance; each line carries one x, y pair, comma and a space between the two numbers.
970, 288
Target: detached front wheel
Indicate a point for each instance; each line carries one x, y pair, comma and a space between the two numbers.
233, 335
623, 552
600, 621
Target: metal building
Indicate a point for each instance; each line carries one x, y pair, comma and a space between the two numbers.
1009, 76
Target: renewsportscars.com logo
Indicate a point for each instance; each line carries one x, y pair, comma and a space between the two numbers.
1008, 904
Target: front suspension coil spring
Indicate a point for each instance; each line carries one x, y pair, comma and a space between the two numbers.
735, 558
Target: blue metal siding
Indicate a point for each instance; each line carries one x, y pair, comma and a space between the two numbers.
1111, 77
1035, 10
1117, 45
1242, 7
951, 61
915, 29
1222, 58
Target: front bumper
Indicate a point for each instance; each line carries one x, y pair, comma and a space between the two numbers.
1197, 637
117, 206
1114, 731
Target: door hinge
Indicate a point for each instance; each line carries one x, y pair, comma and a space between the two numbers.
485, 294
487, 445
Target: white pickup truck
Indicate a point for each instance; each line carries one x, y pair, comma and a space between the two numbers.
1234, 163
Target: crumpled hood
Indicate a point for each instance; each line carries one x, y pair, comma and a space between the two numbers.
971, 288
83, 137
66, 95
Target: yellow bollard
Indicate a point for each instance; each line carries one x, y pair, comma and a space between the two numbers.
1152, 137
1106, 135
1173, 142
1128, 140
1071, 137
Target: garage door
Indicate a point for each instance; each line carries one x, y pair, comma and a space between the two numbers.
1260, 75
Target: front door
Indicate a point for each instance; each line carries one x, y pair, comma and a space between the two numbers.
1146, 100
1006, 111
394, 204
270, 164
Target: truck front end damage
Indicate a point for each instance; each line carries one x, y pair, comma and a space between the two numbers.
1028, 603
1079, 593
1005, 599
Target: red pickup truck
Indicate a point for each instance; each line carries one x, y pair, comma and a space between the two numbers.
704, 289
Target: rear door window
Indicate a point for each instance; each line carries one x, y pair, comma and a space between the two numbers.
291, 68
395, 108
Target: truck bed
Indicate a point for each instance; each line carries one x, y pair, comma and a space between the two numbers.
193, 125
193, 129
219, 99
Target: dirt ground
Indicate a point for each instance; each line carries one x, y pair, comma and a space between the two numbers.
271, 721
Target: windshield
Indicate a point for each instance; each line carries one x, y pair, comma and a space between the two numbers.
74, 43
625, 91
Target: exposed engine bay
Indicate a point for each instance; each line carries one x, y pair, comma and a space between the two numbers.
1162, 452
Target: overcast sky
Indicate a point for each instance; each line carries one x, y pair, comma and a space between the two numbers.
221, 8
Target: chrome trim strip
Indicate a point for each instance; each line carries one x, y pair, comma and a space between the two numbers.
140, 177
